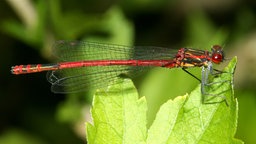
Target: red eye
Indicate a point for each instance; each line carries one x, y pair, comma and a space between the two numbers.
217, 58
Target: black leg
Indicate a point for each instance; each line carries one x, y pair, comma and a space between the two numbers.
191, 74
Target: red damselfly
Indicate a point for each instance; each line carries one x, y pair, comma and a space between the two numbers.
85, 64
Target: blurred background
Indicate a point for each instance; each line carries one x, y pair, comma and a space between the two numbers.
31, 113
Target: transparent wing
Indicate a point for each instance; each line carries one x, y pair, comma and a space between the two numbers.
84, 78
80, 79
82, 50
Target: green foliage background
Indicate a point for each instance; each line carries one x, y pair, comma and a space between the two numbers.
30, 113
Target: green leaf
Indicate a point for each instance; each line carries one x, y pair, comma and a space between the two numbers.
119, 117
187, 120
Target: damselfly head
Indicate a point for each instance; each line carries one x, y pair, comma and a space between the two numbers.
217, 54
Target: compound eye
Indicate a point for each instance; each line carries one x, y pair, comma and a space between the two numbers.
217, 58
